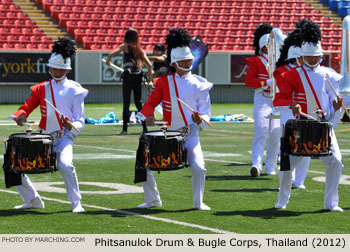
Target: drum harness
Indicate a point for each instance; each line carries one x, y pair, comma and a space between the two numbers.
56, 135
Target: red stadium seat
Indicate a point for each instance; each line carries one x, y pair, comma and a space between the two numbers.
88, 41
94, 24
33, 46
83, 24
8, 46
45, 46
55, 10
71, 26
109, 47
79, 33
97, 17
25, 39
21, 46
35, 39
63, 18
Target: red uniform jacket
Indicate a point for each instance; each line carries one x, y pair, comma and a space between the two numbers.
292, 90
279, 75
36, 99
160, 93
256, 73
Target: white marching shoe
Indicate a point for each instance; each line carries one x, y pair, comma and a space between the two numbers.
155, 203
34, 203
300, 187
77, 208
203, 207
280, 206
335, 209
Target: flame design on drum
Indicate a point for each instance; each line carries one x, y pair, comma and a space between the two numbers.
30, 154
26, 164
308, 147
161, 162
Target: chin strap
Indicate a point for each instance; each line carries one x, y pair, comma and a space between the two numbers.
57, 79
183, 69
309, 65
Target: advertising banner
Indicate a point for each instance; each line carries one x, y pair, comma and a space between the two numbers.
26, 67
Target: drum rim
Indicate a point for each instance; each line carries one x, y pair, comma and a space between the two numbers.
326, 122
27, 136
177, 167
145, 133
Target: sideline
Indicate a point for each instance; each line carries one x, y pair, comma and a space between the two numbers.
214, 230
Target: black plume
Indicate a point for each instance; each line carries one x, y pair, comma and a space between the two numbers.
176, 37
64, 46
294, 38
259, 32
311, 32
302, 22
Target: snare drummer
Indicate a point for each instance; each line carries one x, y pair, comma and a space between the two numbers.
306, 90
194, 91
68, 97
289, 59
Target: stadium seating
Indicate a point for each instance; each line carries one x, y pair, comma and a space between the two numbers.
222, 24
18, 32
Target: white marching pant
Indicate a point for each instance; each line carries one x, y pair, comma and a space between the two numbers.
65, 165
333, 174
264, 127
299, 174
197, 167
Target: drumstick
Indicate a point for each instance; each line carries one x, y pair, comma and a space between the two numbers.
115, 66
335, 92
160, 123
209, 124
60, 113
308, 116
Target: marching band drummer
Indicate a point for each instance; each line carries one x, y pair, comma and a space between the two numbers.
194, 91
257, 73
306, 90
68, 97
289, 59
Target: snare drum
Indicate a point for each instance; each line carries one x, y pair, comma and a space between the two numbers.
162, 150
308, 137
30, 154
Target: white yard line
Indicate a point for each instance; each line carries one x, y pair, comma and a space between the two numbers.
232, 131
214, 230
104, 148
207, 159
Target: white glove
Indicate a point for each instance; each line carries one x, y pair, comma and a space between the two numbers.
269, 82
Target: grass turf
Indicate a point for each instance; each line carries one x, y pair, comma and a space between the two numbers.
239, 203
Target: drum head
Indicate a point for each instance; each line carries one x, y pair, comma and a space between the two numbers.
31, 136
161, 133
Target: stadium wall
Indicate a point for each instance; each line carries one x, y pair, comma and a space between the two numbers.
19, 70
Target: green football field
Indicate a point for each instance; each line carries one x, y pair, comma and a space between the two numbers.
239, 203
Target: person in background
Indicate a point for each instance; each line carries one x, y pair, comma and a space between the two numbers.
159, 58
257, 77
133, 58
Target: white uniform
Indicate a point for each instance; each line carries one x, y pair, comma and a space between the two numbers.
334, 168
298, 175
264, 127
69, 99
194, 91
